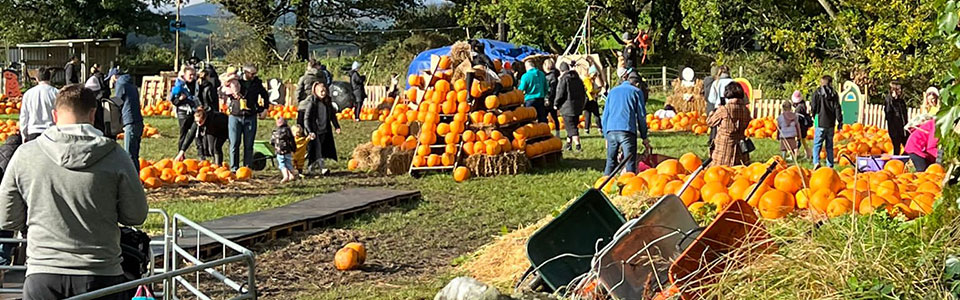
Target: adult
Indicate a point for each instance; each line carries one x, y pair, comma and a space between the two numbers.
243, 117
570, 97
825, 107
208, 97
71, 188
715, 95
921, 146
895, 110
212, 133
707, 83
71, 71
357, 82
623, 119
731, 120
306, 81
630, 53
36, 111
320, 122
97, 82
130, 115
553, 77
594, 86
325, 75
533, 83
183, 96
803, 117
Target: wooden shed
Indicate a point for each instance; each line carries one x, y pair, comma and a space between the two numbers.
56, 53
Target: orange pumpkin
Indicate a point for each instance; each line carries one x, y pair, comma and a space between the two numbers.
461, 174
244, 173
826, 179
776, 204
346, 259
148, 172
690, 162
361, 250
182, 180
180, 168
152, 183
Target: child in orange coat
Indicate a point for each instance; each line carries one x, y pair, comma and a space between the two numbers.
300, 155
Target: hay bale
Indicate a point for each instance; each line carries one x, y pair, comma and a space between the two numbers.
389, 160
696, 103
510, 163
459, 52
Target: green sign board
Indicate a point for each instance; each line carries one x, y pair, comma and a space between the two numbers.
850, 102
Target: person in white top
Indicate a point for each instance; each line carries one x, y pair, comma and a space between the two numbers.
36, 112
788, 128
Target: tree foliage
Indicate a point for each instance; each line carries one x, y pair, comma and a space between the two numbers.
36, 20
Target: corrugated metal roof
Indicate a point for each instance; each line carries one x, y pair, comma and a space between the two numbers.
66, 43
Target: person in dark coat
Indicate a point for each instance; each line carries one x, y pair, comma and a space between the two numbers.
212, 133
631, 52
242, 122
305, 83
896, 111
570, 98
320, 122
553, 76
284, 145
71, 71
324, 75
357, 82
825, 106
209, 97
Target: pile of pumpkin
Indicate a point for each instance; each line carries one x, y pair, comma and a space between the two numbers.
350, 257
687, 121
287, 112
534, 131
822, 192
167, 172
148, 132
10, 106
8, 128
161, 108
395, 130
520, 114
860, 140
366, 114
762, 128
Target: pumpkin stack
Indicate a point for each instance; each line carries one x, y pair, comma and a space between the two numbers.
161, 108
8, 128
10, 106
287, 112
688, 121
821, 193
166, 172
442, 115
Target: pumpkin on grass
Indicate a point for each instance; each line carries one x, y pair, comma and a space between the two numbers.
244, 173
461, 174
346, 259
152, 183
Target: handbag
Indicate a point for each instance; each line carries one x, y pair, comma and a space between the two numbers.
143, 293
746, 145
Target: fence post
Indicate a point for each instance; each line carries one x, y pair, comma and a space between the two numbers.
664, 77
741, 72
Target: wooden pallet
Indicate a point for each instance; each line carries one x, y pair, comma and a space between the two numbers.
545, 159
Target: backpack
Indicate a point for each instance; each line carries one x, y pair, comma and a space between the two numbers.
135, 251
112, 120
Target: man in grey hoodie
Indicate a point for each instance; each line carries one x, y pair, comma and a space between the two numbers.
71, 187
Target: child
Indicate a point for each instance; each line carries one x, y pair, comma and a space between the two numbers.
788, 127
666, 113
299, 156
284, 144
231, 85
803, 118
212, 133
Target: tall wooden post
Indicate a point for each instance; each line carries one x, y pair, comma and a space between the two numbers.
176, 43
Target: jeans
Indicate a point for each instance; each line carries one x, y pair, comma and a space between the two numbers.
285, 162
188, 130
242, 129
538, 105
919, 162
131, 141
625, 142
6, 249
42, 286
823, 139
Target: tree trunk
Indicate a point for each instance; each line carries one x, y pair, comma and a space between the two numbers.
303, 36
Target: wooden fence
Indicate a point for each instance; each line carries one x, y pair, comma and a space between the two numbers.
870, 114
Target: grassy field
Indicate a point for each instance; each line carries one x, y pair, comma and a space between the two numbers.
451, 221
414, 248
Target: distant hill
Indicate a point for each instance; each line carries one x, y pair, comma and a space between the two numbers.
205, 9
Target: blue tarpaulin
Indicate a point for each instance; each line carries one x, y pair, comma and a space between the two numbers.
494, 49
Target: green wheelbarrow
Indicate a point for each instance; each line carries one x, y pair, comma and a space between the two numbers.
262, 152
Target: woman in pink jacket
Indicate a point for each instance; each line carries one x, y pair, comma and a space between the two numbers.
922, 145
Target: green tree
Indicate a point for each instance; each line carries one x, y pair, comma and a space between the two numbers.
34, 20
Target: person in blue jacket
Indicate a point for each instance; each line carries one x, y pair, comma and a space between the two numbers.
533, 83
127, 93
624, 118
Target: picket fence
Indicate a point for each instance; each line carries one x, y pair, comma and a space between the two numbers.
870, 114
